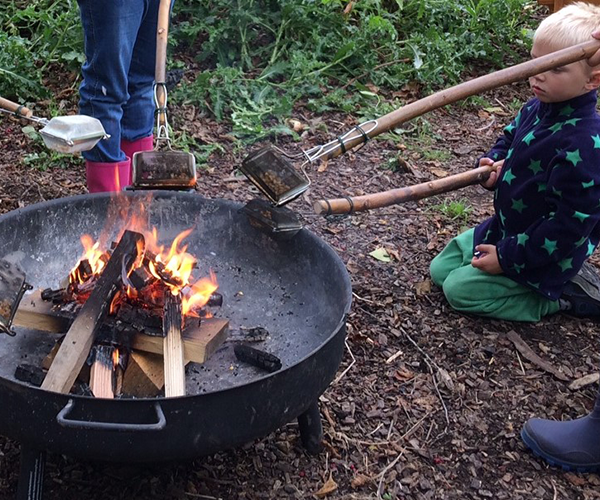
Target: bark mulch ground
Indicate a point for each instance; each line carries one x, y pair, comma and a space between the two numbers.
428, 403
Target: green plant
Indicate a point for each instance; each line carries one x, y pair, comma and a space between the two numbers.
455, 210
34, 36
436, 155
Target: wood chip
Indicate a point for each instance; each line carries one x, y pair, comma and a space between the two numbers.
591, 378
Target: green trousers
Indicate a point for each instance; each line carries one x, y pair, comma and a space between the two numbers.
471, 290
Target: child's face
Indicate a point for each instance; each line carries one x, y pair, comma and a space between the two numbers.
563, 83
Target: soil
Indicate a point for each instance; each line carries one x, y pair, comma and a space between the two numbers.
428, 403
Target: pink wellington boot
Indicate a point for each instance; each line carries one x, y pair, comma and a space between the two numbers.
131, 147
103, 177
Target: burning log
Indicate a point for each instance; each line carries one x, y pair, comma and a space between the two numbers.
102, 373
200, 339
258, 358
78, 341
173, 346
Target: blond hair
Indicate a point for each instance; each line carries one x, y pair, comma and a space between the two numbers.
571, 25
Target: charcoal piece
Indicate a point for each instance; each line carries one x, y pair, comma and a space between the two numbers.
31, 374
141, 278
160, 269
83, 271
255, 357
215, 300
55, 296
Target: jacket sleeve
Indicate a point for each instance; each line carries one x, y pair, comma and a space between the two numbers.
573, 192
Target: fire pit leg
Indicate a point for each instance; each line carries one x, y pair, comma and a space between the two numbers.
311, 430
31, 476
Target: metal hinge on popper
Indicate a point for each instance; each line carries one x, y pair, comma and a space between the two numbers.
12, 288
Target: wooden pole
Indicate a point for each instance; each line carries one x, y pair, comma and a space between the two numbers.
404, 194
462, 90
79, 339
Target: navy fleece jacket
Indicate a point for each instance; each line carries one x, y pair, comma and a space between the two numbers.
547, 198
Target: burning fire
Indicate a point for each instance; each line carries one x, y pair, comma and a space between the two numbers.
171, 267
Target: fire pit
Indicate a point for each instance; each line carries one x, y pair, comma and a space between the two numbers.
297, 289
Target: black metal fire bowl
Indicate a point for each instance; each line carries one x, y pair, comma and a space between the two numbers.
298, 290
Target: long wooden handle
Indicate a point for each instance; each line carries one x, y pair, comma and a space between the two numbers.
17, 109
462, 90
402, 195
160, 68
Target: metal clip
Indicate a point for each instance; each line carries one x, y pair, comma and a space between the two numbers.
12, 288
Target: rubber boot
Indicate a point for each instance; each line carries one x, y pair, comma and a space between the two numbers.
103, 177
572, 445
131, 147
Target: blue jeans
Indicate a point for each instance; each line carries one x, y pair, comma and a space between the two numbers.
118, 75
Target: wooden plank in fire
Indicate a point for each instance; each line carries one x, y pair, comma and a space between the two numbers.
79, 339
199, 341
102, 373
173, 357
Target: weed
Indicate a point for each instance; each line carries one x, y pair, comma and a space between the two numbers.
456, 210
436, 155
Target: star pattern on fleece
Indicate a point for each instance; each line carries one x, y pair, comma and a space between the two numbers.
574, 157
587, 185
591, 248
509, 153
556, 127
542, 186
535, 166
518, 268
509, 128
508, 177
580, 215
572, 121
502, 217
529, 137
566, 110
596, 139
536, 121
550, 246
566, 264
518, 205
581, 241
522, 238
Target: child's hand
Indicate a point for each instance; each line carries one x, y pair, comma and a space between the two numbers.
486, 259
491, 181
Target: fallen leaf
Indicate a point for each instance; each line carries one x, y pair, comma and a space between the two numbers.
329, 487
423, 287
323, 166
438, 172
381, 254
360, 480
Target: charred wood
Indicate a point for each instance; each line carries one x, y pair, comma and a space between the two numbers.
78, 341
258, 358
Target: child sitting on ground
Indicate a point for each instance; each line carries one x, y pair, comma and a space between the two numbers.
522, 263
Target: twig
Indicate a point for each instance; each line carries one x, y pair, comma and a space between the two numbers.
521, 363
358, 297
430, 362
341, 375
198, 495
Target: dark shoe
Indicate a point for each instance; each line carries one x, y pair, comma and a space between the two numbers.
582, 292
572, 445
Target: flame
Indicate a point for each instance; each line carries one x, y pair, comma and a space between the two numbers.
171, 265
115, 357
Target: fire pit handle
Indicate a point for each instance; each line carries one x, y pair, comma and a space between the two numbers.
62, 419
